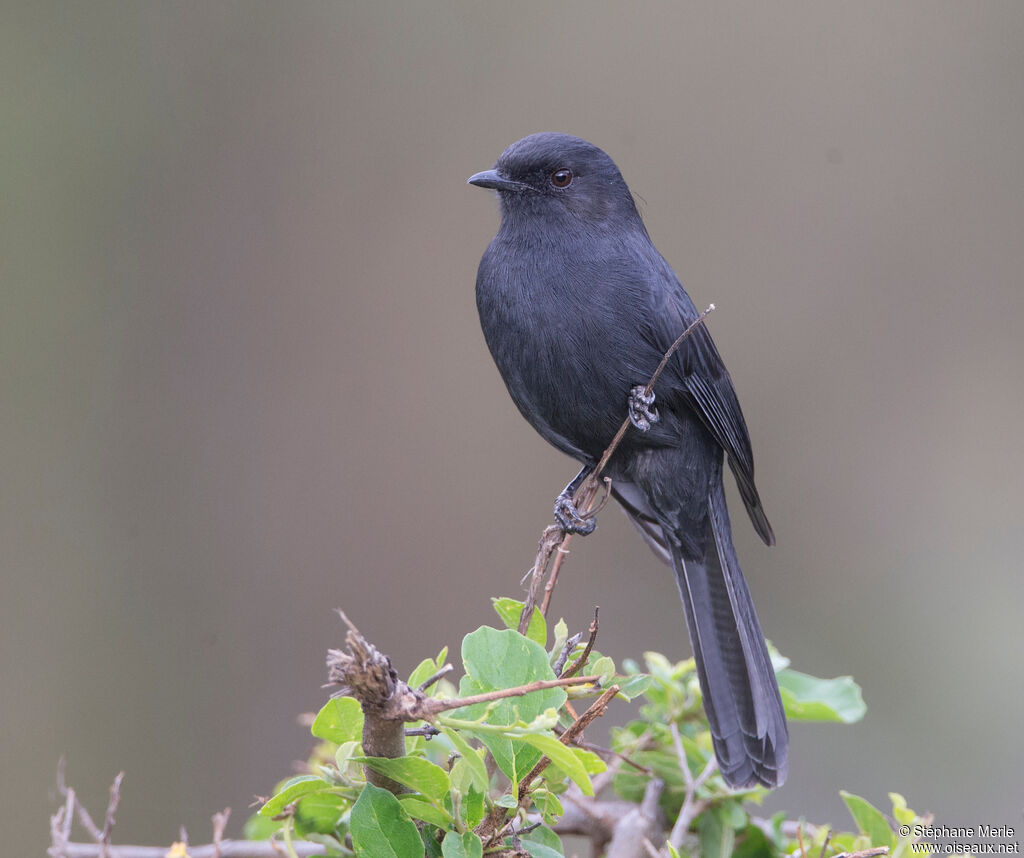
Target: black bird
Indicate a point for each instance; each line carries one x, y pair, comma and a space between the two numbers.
578, 308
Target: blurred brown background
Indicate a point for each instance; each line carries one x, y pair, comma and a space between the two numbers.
243, 380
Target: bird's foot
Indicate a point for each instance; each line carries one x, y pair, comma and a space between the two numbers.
570, 519
641, 414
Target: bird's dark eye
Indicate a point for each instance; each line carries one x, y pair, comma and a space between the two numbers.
561, 178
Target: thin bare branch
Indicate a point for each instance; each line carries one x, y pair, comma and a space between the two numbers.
432, 707
608, 752
423, 686
692, 806
582, 660
556, 567
596, 710
83, 815
227, 849
108, 819
220, 821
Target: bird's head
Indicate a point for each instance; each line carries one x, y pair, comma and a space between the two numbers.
553, 177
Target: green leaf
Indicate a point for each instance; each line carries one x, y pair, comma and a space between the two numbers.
340, 720
343, 756
259, 827
844, 841
472, 757
419, 808
511, 612
414, 772
466, 845
807, 698
603, 667
561, 635
422, 672
381, 828
900, 812
562, 757
333, 844
505, 659
461, 777
293, 789
473, 807
541, 843
753, 843
431, 846
870, 821
548, 805
319, 813
631, 687
591, 761
716, 834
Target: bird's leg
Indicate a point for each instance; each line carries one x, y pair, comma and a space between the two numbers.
569, 518
641, 414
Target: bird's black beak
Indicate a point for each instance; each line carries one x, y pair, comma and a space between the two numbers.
491, 179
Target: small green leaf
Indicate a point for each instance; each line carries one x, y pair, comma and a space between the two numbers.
548, 805
717, 836
259, 827
542, 843
560, 637
380, 826
844, 841
473, 807
472, 757
465, 845
340, 720
753, 843
293, 789
632, 687
511, 611
562, 757
422, 672
414, 772
591, 761
343, 756
419, 808
505, 659
603, 667
870, 821
333, 844
319, 813
900, 812
461, 776
807, 698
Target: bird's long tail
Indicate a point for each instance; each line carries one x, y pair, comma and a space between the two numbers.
741, 696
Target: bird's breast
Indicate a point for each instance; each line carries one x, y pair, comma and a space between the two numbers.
564, 344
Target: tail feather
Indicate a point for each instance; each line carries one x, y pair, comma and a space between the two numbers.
741, 696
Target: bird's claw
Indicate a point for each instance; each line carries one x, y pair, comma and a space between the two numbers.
569, 517
641, 414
